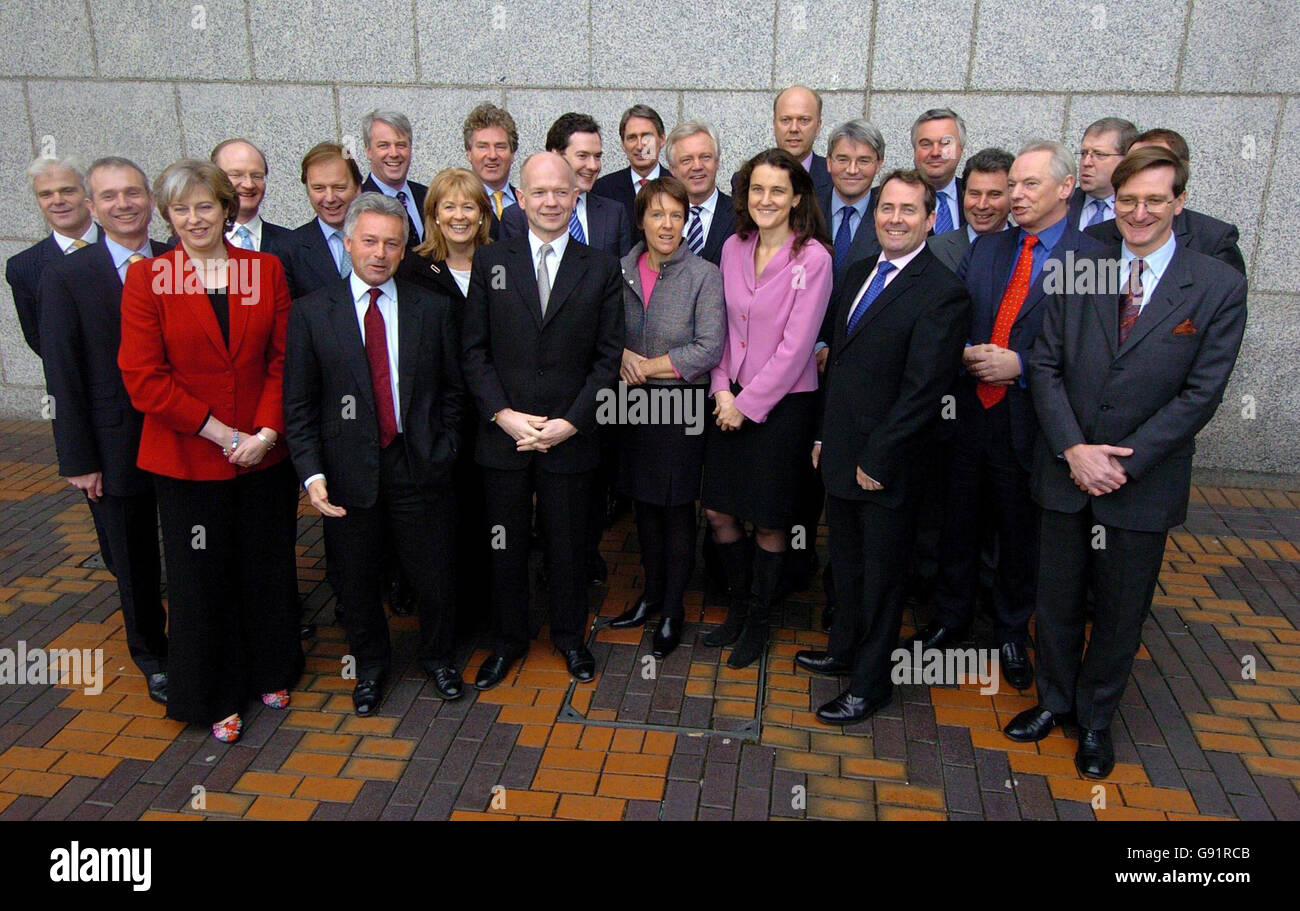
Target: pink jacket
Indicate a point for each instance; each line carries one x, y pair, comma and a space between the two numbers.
772, 323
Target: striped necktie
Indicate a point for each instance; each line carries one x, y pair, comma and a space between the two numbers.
244, 237
1130, 302
77, 245
575, 227
1098, 213
942, 217
873, 291
695, 231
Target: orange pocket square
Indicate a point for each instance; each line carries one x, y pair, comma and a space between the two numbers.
1185, 328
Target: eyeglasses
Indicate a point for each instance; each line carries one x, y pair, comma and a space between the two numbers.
1156, 205
1093, 153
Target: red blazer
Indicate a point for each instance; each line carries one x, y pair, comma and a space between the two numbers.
177, 369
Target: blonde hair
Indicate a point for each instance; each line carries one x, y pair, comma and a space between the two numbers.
449, 182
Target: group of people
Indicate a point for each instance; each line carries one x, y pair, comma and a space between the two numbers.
906, 354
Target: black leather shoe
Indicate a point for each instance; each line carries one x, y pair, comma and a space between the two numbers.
597, 571
822, 663
936, 635
667, 637
446, 680
636, 615
306, 630
1032, 725
849, 709
492, 671
366, 695
1095, 757
157, 684
582, 665
1014, 663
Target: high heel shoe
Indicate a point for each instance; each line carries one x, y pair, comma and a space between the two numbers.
227, 731
277, 700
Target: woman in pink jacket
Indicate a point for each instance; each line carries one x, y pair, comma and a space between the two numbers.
776, 275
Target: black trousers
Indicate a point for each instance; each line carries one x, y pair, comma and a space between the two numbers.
563, 501
868, 545
128, 536
232, 590
1122, 567
418, 523
984, 473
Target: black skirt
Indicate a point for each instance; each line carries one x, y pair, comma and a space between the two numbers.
754, 473
660, 464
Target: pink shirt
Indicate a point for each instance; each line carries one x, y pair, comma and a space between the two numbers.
648, 278
772, 322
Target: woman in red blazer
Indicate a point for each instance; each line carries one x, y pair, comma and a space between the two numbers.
203, 330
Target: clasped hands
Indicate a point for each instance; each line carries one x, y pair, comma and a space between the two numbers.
251, 448
728, 416
532, 432
1095, 469
991, 364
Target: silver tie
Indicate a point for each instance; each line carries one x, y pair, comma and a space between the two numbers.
543, 277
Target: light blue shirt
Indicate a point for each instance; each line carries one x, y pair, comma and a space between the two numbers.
1153, 267
507, 195
121, 254
337, 250
1085, 215
837, 205
411, 210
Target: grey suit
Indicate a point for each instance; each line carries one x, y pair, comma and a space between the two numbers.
950, 246
1153, 394
689, 319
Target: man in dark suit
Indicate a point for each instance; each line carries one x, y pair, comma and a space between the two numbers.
985, 201
1122, 383
855, 153
1194, 230
60, 191
491, 141
543, 335
380, 470
1104, 143
938, 143
245, 165
596, 221
314, 254
692, 152
641, 133
1008, 274
796, 121
386, 136
96, 431
900, 320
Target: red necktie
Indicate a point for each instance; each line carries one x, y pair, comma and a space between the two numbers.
1012, 299
1130, 302
380, 377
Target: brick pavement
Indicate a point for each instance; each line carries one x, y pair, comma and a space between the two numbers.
1195, 738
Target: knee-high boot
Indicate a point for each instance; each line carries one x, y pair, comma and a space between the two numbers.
763, 593
735, 560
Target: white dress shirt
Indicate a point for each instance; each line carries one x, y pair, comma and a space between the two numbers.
558, 246
707, 208
254, 226
1153, 268
899, 265
636, 178
65, 243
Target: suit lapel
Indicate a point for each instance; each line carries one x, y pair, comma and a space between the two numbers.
243, 282
1166, 299
521, 258
595, 222
319, 255
565, 279
343, 317
895, 289
410, 321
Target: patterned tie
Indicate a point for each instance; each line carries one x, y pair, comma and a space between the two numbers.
575, 227
498, 204
244, 237
543, 277
1098, 213
380, 377
873, 291
340, 254
844, 236
942, 217
77, 245
1130, 302
1012, 299
640, 182
695, 231
416, 227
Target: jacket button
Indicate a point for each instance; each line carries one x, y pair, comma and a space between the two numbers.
742, 344
1105, 408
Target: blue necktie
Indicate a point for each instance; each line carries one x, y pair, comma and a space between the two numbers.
695, 231
244, 237
575, 227
340, 254
844, 236
1098, 213
873, 291
942, 217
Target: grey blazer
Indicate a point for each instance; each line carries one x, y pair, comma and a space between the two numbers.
688, 319
950, 247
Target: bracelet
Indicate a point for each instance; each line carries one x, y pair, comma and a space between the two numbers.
270, 444
234, 444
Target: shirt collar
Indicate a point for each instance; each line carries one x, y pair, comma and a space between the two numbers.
1156, 262
1050, 236
711, 204
121, 254
254, 226
507, 197
950, 190
557, 246
90, 236
860, 206
327, 230
391, 191
807, 162
361, 290
655, 172
1109, 202
901, 262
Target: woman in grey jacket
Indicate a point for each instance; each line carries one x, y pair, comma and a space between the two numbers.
675, 324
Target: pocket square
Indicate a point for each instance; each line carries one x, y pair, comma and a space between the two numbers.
1185, 328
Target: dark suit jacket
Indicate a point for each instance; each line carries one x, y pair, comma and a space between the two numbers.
308, 263
1153, 394
950, 246
1195, 231
494, 230
513, 358
95, 426
418, 192
865, 245
884, 381
608, 228
821, 177
722, 227
325, 364
618, 187
274, 237
23, 272
986, 269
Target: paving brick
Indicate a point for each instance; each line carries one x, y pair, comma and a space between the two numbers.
577, 806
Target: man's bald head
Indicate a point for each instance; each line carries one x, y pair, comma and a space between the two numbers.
547, 194
796, 120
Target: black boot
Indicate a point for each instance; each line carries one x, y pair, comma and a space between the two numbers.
735, 560
767, 579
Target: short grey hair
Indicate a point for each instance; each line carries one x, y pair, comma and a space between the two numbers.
42, 167
1126, 130
940, 114
690, 128
1062, 165
394, 119
858, 130
379, 204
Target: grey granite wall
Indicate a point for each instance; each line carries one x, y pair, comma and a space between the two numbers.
157, 79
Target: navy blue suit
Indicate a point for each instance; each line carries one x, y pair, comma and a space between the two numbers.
274, 237
23, 272
618, 187
308, 263
418, 192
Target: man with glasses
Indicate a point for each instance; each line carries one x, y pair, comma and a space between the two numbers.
1104, 143
245, 165
1121, 383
